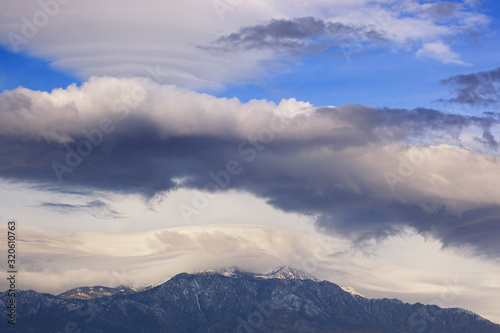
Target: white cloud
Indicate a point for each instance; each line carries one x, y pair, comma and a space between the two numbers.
58, 115
439, 51
122, 38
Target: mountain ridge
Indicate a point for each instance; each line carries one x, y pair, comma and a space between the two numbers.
213, 302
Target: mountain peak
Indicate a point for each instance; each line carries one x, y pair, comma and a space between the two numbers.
352, 291
226, 271
87, 293
288, 273
284, 273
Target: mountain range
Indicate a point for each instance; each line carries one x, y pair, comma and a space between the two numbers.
230, 300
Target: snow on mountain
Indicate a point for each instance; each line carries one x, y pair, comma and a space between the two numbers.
352, 291
87, 293
288, 273
285, 300
226, 271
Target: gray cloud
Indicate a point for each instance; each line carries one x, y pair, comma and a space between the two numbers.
96, 208
443, 9
331, 163
438, 11
488, 139
476, 89
296, 35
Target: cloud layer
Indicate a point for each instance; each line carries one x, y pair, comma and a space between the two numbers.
61, 30
362, 172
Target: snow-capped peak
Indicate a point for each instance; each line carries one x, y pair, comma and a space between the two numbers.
288, 273
352, 291
226, 271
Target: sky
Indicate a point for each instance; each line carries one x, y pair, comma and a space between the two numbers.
355, 140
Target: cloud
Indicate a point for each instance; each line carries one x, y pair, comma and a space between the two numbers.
162, 38
397, 26
439, 51
438, 11
96, 208
461, 16
296, 35
488, 139
362, 172
442, 8
149, 257
52, 262
476, 89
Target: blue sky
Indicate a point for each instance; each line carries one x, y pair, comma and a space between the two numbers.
373, 77
19, 70
377, 76
118, 124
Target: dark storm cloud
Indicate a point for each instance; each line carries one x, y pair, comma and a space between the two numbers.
477, 89
325, 162
136, 158
478, 227
404, 123
296, 35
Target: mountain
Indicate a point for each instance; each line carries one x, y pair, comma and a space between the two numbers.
287, 273
229, 300
87, 293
